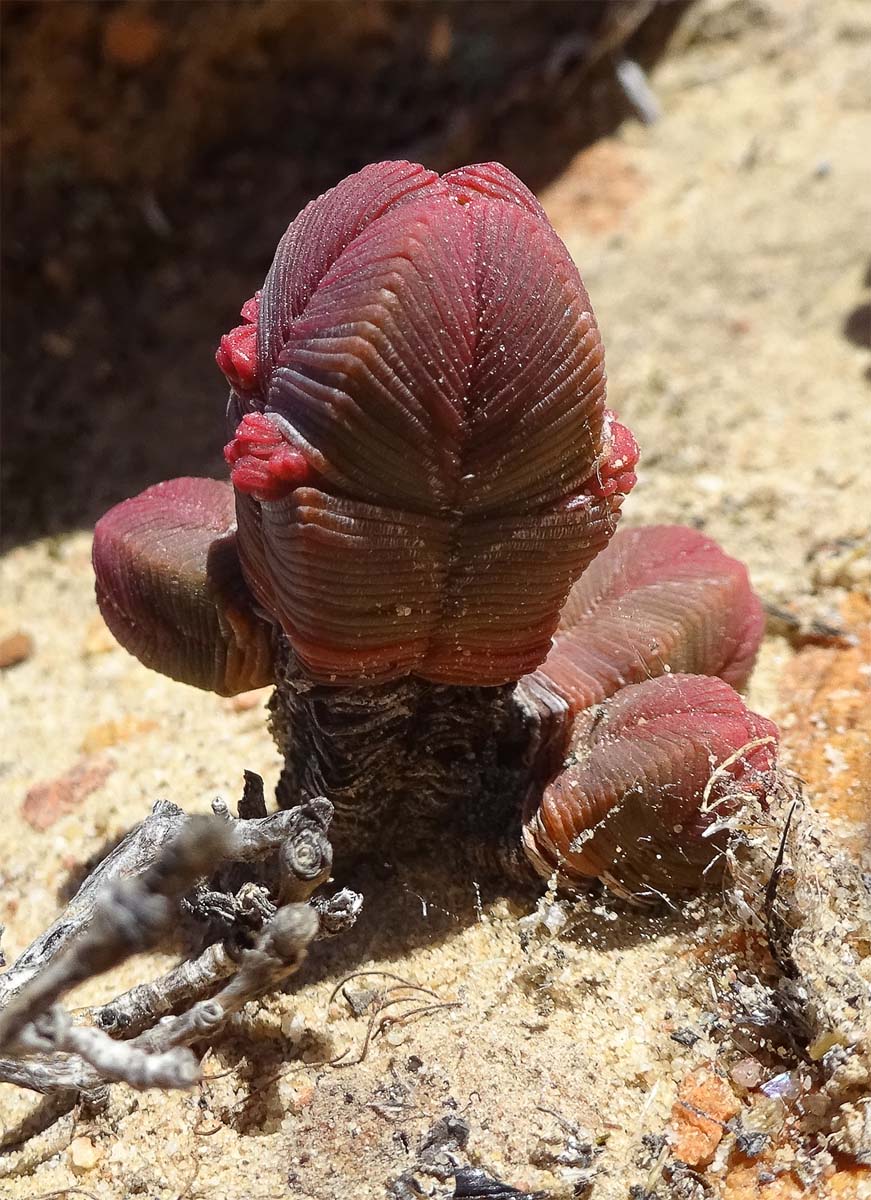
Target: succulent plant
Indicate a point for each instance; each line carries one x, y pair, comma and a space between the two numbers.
417, 549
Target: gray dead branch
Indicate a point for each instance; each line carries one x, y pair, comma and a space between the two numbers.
168, 867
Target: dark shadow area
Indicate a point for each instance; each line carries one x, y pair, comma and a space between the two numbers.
151, 168
419, 903
857, 326
414, 901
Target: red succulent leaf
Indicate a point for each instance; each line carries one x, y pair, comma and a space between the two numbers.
652, 775
427, 349
630, 723
250, 310
171, 590
315, 240
237, 353
493, 180
663, 598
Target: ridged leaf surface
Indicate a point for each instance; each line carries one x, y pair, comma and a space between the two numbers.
171, 590
429, 349
663, 598
648, 773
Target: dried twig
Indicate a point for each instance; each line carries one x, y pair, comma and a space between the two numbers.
292, 845
800, 630
196, 978
130, 858
279, 952
129, 903
134, 1010
127, 917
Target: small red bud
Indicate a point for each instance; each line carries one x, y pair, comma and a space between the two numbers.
237, 357
251, 309
262, 464
616, 471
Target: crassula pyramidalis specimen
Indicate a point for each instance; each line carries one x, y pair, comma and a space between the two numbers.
417, 547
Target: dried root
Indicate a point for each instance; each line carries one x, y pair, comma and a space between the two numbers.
790, 882
814, 904
415, 1001
133, 901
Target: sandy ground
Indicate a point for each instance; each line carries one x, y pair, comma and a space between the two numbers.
726, 250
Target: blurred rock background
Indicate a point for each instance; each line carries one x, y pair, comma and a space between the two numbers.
154, 152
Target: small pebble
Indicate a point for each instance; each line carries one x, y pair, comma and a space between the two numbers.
245, 701
84, 1155
746, 1073
14, 649
110, 733
698, 1120
297, 1092
46, 802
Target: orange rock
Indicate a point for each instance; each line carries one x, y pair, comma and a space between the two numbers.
827, 729
131, 38
300, 1092
850, 1185
15, 648
742, 1183
109, 733
704, 1104
45, 802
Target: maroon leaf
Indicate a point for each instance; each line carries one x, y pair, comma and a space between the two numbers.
648, 774
171, 590
661, 598
434, 467
313, 242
